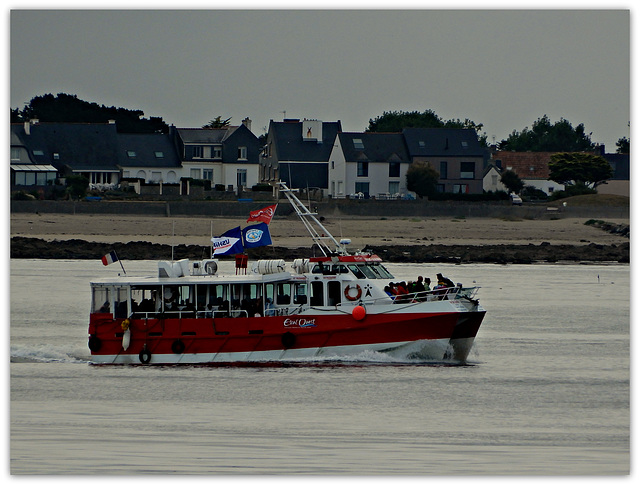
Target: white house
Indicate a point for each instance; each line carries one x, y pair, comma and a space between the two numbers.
368, 165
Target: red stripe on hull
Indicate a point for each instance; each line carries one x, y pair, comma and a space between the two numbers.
231, 335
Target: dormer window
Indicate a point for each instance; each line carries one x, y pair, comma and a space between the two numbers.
357, 143
197, 152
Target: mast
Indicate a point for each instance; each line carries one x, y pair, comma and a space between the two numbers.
322, 238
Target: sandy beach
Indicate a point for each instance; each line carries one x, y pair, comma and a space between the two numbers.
290, 232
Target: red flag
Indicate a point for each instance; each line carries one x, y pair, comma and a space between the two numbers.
263, 215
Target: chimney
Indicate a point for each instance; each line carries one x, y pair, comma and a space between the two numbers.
27, 125
247, 123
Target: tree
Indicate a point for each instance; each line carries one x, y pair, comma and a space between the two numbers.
623, 145
547, 137
217, 122
66, 108
422, 179
396, 121
512, 182
579, 169
77, 186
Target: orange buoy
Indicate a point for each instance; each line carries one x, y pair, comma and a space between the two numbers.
358, 313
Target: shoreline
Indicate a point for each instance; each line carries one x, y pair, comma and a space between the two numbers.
421, 240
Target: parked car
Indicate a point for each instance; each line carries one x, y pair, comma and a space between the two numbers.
516, 200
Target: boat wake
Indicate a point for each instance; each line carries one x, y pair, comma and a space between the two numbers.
47, 354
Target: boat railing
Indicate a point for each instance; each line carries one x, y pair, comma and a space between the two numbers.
448, 293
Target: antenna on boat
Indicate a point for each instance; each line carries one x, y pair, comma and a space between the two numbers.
311, 223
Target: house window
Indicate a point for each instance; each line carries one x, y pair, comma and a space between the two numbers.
362, 187
159, 155
195, 173
494, 180
363, 169
217, 152
440, 188
394, 188
444, 174
467, 170
131, 154
394, 169
38, 152
207, 174
15, 154
197, 152
465, 144
357, 143
461, 188
242, 153
56, 156
242, 177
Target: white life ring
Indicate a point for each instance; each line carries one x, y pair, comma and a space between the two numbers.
349, 296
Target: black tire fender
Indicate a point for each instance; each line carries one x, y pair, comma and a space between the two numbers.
144, 356
95, 343
178, 346
288, 340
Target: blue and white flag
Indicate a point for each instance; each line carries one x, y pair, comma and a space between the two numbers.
256, 235
230, 243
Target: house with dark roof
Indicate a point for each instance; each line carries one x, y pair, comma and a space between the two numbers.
456, 154
297, 152
228, 156
491, 179
89, 149
368, 164
151, 157
619, 184
29, 166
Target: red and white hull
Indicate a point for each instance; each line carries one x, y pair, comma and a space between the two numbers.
441, 335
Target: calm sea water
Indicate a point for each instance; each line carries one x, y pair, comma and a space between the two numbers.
547, 391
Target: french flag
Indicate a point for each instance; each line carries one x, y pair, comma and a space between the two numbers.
109, 258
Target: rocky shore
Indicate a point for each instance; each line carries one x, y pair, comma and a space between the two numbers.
421, 240
507, 253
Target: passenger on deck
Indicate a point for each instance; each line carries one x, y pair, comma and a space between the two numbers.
269, 309
444, 281
105, 308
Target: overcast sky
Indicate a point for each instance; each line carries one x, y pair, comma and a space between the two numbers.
503, 69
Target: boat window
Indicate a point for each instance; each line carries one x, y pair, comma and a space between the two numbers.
340, 268
121, 296
101, 301
383, 271
145, 299
317, 293
334, 293
170, 298
317, 268
284, 294
356, 271
300, 295
268, 299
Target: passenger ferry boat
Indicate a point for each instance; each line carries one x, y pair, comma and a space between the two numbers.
334, 305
